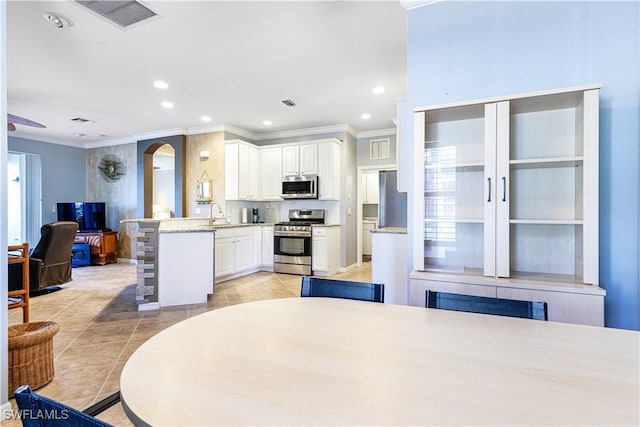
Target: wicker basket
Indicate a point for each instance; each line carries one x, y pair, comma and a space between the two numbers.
31, 354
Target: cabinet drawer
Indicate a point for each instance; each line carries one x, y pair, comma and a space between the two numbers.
222, 233
244, 232
319, 231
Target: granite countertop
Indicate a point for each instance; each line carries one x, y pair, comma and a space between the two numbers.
191, 225
325, 225
390, 230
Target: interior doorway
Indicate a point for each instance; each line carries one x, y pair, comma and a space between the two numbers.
164, 164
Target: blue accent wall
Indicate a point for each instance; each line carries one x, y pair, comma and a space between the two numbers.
64, 172
468, 50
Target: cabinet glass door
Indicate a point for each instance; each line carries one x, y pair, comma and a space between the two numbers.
551, 140
453, 189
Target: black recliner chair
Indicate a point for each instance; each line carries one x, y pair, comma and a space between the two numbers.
50, 260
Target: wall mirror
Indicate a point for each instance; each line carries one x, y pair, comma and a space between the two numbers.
204, 189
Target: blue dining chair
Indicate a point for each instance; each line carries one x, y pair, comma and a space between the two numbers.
317, 287
40, 411
498, 306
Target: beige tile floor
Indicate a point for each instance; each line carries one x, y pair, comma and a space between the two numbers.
100, 326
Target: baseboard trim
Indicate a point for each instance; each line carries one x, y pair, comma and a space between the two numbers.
348, 268
149, 306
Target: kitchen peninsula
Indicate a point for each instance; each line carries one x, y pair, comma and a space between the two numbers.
177, 259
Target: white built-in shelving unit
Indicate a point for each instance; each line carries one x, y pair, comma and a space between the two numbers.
510, 200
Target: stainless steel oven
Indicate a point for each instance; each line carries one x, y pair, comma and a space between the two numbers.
292, 242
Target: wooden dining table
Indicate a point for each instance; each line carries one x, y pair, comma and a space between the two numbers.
336, 362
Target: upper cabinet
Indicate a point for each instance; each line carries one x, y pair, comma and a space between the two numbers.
255, 173
510, 187
271, 173
241, 166
370, 185
329, 169
300, 160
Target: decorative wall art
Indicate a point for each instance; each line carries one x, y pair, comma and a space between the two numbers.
111, 168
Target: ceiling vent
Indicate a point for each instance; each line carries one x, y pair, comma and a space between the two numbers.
81, 120
288, 103
120, 12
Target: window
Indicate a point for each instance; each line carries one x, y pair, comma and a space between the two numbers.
24, 197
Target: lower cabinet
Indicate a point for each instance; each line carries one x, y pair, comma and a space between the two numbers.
234, 251
267, 246
571, 304
367, 227
325, 251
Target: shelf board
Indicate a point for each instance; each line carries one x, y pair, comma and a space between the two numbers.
547, 221
457, 167
548, 162
457, 220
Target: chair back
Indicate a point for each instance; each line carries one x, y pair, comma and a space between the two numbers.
498, 306
39, 411
317, 287
56, 241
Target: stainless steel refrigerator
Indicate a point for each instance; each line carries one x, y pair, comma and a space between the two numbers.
392, 207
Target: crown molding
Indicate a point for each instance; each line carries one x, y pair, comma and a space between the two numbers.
379, 132
132, 139
18, 134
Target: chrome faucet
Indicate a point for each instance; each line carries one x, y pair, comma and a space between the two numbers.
211, 218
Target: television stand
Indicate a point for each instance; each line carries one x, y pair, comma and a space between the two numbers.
104, 245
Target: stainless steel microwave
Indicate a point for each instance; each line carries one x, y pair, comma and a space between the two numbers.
300, 187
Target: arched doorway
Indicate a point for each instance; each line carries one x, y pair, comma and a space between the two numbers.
146, 154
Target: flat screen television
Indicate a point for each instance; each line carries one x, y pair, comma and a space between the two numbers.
90, 216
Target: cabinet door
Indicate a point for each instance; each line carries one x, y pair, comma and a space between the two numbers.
329, 171
309, 159
253, 174
366, 237
291, 161
225, 256
271, 173
453, 208
231, 163
319, 254
256, 246
244, 253
244, 173
267, 246
372, 185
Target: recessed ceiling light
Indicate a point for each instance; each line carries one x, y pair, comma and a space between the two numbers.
205, 118
56, 20
365, 116
267, 122
167, 104
160, 84
378, 90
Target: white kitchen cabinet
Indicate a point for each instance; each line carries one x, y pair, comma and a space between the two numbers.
371, 187
271, 173
511, 188
367, 227
300, 160
325, 251
241, 171
234, 251
256, 247
267, 246
329, 169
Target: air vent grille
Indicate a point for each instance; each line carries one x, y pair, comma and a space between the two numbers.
121, 12
288, 103
80, 120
